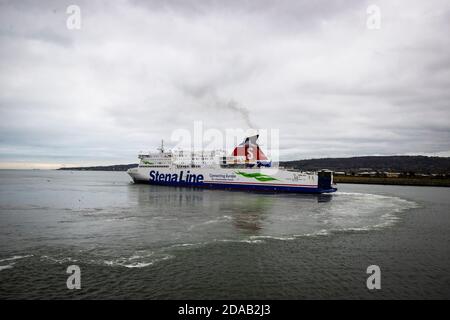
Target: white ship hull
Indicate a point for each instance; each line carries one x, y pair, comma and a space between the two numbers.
241, 179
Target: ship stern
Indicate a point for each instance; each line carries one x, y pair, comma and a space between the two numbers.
325, 181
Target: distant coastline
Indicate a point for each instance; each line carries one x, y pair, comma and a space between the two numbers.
116, 167
402, 181
389, 170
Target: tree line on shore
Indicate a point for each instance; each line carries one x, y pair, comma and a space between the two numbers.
404, 165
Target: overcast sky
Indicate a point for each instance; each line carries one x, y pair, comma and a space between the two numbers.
138, 70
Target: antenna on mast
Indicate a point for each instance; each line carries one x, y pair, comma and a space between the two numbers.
161, 149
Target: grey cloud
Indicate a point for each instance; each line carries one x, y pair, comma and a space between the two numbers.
138, 70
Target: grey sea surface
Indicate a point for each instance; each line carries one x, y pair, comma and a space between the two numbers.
153, 242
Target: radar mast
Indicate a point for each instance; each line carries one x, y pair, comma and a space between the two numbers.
161, 148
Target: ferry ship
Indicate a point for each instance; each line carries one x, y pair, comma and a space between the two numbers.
242, 170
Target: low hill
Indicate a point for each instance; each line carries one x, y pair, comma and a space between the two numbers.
117, 167
416, 164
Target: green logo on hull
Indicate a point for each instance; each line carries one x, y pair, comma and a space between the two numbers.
258, 176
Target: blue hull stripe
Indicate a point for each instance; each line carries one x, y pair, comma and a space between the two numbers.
254, 187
